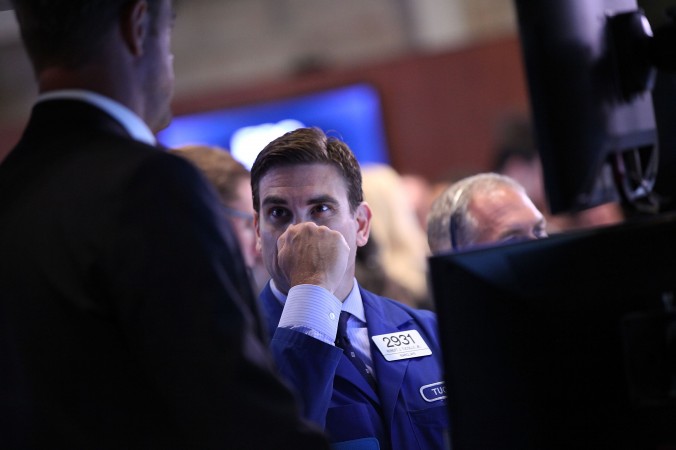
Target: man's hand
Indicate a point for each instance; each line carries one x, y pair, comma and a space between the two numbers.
312, 254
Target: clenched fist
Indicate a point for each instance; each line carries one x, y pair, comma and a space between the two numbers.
311, 254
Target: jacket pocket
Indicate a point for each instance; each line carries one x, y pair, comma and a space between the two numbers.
430, 426
345, 423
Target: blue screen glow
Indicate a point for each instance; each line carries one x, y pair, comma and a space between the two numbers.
351, 113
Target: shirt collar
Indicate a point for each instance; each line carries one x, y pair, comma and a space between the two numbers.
131, 122
353, 302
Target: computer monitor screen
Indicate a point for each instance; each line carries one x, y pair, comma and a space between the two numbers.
562, 343
352, 113
595, 144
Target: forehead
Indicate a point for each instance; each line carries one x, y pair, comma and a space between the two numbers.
311, 177
502, 204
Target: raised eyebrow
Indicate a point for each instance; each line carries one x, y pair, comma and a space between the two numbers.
512, 231
322, 199
273, 200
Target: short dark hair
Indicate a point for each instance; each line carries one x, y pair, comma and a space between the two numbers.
68, 33
309, 146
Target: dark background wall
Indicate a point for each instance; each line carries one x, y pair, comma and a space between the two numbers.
441, 111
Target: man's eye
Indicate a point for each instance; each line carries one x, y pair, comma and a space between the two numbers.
512, 238
322, 208
278, 213
515, 238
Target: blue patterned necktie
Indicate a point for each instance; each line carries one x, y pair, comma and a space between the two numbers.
343, 342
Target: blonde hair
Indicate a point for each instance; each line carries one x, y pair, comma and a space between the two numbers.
396, 230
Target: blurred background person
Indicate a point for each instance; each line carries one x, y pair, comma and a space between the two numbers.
482, 209
517, 157
421, 194
394, 262
233, 183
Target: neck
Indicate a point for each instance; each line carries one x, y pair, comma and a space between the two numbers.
111, 72
91, 79
345, 286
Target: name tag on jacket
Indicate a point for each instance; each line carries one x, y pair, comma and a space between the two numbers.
402, 345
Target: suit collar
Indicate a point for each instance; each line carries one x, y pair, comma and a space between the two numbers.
70, 119
349, 372
130, 121
271, 309
384, 317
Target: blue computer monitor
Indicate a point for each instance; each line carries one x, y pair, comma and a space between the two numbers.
352, 113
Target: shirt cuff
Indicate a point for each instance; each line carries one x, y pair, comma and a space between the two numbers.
312, 310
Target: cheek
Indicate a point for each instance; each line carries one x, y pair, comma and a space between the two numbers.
267, 242
267, 246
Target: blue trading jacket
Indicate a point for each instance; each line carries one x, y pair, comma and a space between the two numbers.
409, 410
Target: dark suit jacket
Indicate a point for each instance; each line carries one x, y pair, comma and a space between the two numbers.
408, 410
125, 309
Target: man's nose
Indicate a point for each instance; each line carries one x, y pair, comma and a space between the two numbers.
298, 219
302, 218
533, 235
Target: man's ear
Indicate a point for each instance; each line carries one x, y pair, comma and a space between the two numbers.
134, 24
363, 218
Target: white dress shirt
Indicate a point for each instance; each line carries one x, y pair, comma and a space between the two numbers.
315, 311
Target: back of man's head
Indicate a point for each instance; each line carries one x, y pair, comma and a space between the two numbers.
309, 146
68, 33
450, 224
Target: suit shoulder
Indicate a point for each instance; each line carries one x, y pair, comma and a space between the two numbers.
419, 315
142, 161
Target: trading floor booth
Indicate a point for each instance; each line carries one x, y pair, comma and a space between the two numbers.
569, 342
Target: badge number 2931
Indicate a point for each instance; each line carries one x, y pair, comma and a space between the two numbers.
401, 345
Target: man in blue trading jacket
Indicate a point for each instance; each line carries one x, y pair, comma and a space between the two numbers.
379, 383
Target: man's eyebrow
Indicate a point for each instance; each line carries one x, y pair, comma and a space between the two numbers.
322, 199
514, 228
273, 200
520, 227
